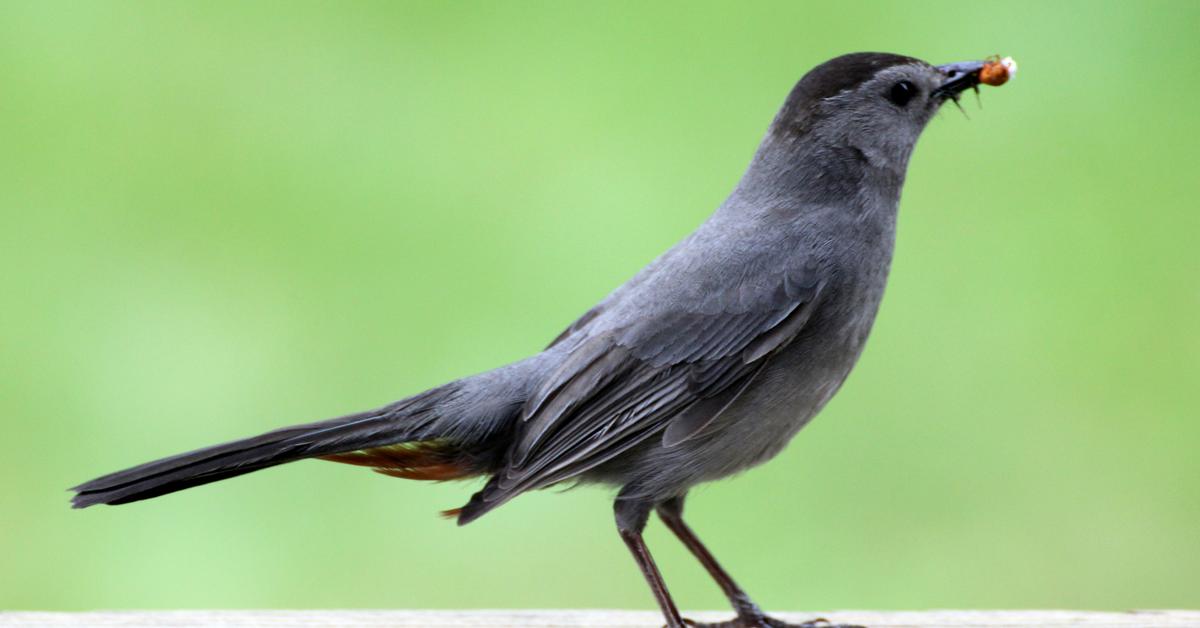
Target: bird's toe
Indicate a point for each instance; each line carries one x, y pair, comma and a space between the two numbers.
766, 621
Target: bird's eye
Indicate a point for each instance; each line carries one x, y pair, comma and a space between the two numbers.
901, 93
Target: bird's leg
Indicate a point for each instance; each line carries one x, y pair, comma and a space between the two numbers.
631, 520
671, 512
749, 615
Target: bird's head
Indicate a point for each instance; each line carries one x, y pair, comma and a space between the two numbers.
873, 106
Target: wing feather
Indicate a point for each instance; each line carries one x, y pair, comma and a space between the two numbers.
671, 372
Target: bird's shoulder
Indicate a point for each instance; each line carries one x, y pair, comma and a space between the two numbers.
707, 278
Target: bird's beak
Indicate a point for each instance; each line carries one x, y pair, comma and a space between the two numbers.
959, 77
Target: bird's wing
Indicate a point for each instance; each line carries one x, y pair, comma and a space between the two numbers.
579, 324
672, 371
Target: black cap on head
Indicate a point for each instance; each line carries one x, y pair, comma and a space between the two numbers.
829, 79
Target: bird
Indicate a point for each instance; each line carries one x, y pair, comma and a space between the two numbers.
705, 363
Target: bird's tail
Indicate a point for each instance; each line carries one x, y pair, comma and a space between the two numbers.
454, 431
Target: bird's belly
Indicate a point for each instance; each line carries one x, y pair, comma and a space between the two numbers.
791, 390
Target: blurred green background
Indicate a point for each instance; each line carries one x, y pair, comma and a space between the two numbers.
220, 218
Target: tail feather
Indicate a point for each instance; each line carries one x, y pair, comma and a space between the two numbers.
453, 431
386, 426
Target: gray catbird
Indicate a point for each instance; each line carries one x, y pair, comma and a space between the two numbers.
703, 364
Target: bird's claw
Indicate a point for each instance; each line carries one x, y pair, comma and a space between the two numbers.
765, 621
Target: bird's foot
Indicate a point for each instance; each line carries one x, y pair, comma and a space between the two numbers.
764, 621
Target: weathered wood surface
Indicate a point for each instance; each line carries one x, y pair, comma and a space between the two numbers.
584, 618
